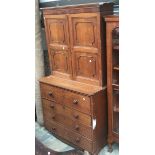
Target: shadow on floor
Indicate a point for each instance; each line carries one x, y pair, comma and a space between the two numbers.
40, 149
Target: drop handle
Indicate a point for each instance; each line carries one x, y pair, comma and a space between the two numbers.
76, 127
75, 101
76, 116
77, 139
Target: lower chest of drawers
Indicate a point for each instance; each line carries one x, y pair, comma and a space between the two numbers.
72, 116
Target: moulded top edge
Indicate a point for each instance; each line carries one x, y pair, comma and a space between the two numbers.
74, 5
72, 85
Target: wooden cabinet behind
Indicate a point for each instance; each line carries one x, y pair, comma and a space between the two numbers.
112, 30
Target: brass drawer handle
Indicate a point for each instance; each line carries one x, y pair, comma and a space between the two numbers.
77, 139
76, 127
75, 101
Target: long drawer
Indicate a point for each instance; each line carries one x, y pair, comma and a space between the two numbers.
69, 135
74, 100
57, 111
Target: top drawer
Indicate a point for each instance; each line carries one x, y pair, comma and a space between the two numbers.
73, 100
51, 93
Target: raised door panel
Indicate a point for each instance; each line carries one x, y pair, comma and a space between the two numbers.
60, 61
57, 29
84, 30
86, 65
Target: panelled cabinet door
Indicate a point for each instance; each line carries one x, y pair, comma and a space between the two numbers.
57, 29
58, 44
86, 65
84, 44
84, 30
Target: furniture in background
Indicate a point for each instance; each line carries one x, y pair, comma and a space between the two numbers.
74, 95
112, 39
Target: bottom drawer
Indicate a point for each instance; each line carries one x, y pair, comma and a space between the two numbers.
72, 137
73, 125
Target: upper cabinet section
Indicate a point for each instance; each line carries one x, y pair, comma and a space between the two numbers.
57, 29
75, 42
84, 30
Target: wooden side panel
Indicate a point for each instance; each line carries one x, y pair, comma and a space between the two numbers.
100, 118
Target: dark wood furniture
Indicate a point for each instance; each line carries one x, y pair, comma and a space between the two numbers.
112, 34
74, 96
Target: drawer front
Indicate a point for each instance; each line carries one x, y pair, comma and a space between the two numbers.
56, 110
76, 101
72, 137
51, 93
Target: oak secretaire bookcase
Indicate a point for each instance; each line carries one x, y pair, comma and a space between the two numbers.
112, 34
74, 95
